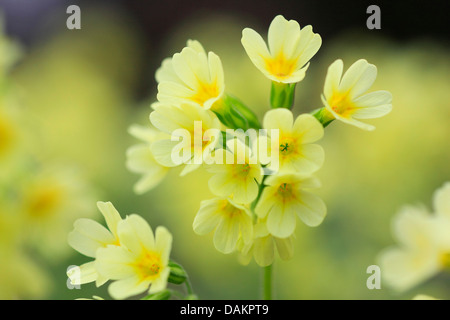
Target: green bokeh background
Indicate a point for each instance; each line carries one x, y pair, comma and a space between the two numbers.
77, 87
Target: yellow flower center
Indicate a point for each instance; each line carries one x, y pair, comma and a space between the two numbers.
228, 210
149, 266
205, 91
342, 105
285, 192
43, 202
281, 67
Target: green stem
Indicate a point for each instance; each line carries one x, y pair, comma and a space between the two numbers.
267, 282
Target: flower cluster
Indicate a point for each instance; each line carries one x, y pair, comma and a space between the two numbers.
262, 181
423, 243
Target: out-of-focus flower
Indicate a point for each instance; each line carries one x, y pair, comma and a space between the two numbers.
191, 76
424, 297
424, 243
290, 48
345, 97
264, 246
284, 198
87, 237
140, 261
229, 221
140, 159
295, 150
197, 128
238, 173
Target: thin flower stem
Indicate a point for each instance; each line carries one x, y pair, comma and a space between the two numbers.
267, 282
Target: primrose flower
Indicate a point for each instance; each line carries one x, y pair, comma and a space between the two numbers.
264, 246
295, 150
198, 130
229, 221
237, 174
345, 97
141, 261
191, 76
424, 243
87, 237
290, 49
284, 198
140, 159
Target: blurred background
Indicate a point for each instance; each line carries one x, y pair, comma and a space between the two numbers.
68, 97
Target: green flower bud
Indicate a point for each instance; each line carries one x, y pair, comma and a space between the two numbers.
177, 274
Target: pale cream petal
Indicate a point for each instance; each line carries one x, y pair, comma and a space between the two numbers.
114, 262
85, 273
374, 99
216, 71
441, 200
310, 209
402, 270
150, 180
163, 243
310, 160
281, 220
296, 76
372, 112
188, 168
266, 202
207, 218
333, 78
308, 128
112, 216
285, 247
226, 234
263, 251
169, 118
172, 92
164, 152
136, 234
282, 33
127, 287
412, 227
246, 227
161, 282
255, 47
222, 183
143, 133
308, 45
358, 78
140, 159
196, 45
88, 235
166, 72
281, 119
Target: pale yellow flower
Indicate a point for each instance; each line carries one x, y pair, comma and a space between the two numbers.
264, 246
238, 174
88, 236
290, 48
345, 96
51, 200
191, 76
295, 149
229, 221
140, 159
424, 243
284, 199
194, 133
424, 297
140, 261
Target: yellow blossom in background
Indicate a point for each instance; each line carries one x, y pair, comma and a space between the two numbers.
264, 246
140, 159
229, 221
424, 243
295, 150
191, 76
345, 97
194, 134
51, 200
285, 198
140, 261
424, 297
289, 49
87, 237
238, 174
